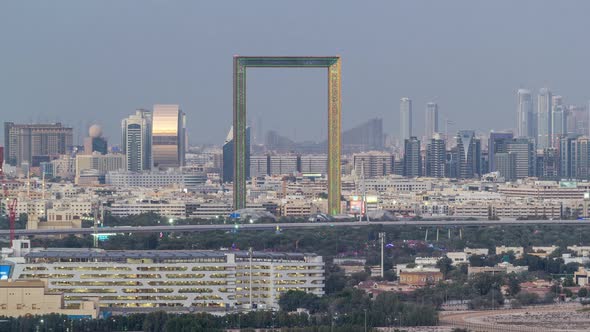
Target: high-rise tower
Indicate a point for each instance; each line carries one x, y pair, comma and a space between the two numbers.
506, 165
412, 158
558, 120
581, 158
431, 120
405, 119
136, 141
544, 126
436, 157
524, 154
525, 123
559, 123
547, 164
567, 156
467, 155
228, 156
497, 144
25, 143
372, 164
168, 136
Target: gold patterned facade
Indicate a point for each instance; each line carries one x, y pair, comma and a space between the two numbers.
168, 136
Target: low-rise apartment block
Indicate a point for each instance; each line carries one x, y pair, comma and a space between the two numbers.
172, 209
517, 251
420, 277
211, 280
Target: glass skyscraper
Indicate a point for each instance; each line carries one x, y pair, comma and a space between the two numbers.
405, 117
431, 120
412, 158
168, 136
137, 141
497, 144
525, 124
436, 157
468, 155
228, 156
544, 119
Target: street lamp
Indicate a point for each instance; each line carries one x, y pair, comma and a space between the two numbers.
171, 221
250, 252
494, 285
334, 318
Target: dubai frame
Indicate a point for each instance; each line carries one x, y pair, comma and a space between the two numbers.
332, 63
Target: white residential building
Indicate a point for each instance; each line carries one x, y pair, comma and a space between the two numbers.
206, 280
210, 210
283, 164
314, 164
476, 251
398, 184
580, 250
175, 209
78, 207
155, 179
99, 162
458, 257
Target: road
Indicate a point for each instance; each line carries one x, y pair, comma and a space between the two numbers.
285, 226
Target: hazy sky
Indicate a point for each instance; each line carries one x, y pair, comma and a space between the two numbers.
82, 62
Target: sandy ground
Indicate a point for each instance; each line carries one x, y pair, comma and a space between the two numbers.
419, 329
547, 318
564, 320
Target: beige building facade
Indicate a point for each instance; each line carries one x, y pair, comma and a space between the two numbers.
30, 297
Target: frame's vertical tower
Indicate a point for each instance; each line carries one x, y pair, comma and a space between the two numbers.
239, 134
334, 140
334, 120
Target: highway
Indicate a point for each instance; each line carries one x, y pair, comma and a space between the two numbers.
286, 226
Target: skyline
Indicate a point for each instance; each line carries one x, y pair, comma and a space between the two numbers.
92, 74
312, 165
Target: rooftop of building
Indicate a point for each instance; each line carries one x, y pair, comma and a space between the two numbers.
157, 255
22, 283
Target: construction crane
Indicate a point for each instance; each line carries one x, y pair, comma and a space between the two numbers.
11, 217
363, 192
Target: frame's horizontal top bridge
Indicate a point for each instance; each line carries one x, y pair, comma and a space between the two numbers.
286, 61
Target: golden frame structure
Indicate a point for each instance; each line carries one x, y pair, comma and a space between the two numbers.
333, 64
